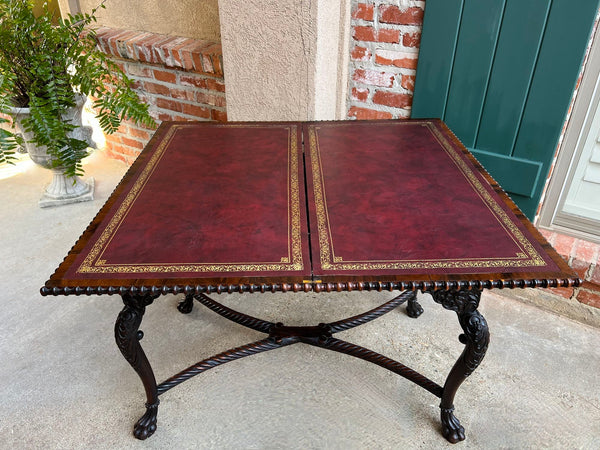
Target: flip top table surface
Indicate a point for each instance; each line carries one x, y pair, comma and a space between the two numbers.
283, 204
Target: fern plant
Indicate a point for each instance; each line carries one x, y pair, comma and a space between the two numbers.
45, 61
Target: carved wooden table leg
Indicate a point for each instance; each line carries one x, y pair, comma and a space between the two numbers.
127, 336
413, 308
187, 304
476, 338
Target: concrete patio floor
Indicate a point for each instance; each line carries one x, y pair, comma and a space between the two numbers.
65, 384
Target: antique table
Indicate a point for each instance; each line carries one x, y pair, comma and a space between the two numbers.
291, 206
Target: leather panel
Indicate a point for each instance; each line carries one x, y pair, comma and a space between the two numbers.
211, 201
401, 197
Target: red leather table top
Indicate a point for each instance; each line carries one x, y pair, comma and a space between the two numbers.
388, 201
402, 197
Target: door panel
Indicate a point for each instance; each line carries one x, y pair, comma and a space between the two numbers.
472, 66
517, 176
522, 27
501, 73
435, 70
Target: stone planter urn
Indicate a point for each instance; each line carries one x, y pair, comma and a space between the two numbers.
62, 190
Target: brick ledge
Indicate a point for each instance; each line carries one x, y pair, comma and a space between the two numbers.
183, 53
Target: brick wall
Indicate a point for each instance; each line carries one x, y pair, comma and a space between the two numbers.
584, 258
179, 78
384, 50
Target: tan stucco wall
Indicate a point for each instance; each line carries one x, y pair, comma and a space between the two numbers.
282, 58
268, 54
198, 19
331, 65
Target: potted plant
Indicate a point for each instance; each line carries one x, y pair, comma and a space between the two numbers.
48, 67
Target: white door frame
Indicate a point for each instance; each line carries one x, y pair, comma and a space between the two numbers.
587, 101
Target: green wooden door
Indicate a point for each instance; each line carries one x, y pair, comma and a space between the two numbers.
501, 74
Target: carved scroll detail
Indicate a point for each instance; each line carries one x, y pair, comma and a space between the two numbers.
476, 338
127, 337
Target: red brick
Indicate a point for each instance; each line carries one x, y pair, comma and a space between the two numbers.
187, 54
182, 94
120, 65
120, 44
113, 38
589, 298
132, 142
101, 34
175, 51
192, 80
165, 116
160, 53
363, 11
194, 110
411, 39
144, 47
369, 34
360, 95
594, 287
197, 60
361, 33
407, 60
393, 14
137, 70
210, 99
388, 35
219, 116
394, 99
564, 245
218, 60
113, 138
140, 134
171, 105
408, 82
563, 292
114, 155
587, 251
580, 267
154, 88
136, 84
360, 53
211, 61
215, 85
207, 62
595, 278
133, 44
163, 75
365, 113
383, 79
549, 235
141, 125
124, 150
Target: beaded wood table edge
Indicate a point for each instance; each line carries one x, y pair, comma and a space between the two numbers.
460, 293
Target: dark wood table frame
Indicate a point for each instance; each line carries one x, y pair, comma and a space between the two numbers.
456, 290
463, 302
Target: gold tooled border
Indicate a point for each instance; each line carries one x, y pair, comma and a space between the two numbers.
94, 264
527, 257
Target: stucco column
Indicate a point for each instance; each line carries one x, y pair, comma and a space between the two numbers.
285, 59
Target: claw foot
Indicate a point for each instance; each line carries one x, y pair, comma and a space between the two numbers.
413, 309
185, 306
452, 430
146, 426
